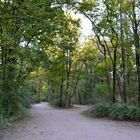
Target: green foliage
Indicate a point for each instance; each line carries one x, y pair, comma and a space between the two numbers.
25, 94
124, 112
28, 29
118, 111
17, 102
102, 89
133, 113
102, 110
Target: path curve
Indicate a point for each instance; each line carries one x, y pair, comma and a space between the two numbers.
48, 123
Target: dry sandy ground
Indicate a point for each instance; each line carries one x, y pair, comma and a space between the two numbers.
47, 123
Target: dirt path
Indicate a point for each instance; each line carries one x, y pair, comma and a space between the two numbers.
47, 123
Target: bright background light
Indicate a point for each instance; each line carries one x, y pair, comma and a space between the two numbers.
86, 27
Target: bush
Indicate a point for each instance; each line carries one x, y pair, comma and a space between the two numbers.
133, 113
117, 111
137, 116
102, 110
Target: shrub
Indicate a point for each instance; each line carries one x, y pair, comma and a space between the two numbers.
137, 114
119, 112
137, 117
125, 112
132, 112
102, 110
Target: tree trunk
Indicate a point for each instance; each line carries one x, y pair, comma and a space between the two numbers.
137, 48
68, 70
123, 55
114, 75
61, 93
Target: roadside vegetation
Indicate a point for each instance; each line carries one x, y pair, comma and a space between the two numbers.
114, 111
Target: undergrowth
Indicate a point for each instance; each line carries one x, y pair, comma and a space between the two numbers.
116, 111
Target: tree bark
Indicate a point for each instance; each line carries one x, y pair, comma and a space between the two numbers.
137, 47
114, 75
123, 54
61, 93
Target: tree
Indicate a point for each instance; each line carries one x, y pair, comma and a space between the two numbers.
24, 27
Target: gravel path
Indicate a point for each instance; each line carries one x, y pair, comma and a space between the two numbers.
47, 123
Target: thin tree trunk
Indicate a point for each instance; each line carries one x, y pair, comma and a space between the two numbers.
123, 55
68, 70
137, 47
61, 92
114, 75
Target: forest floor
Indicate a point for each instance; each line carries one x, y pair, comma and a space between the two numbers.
44, 122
